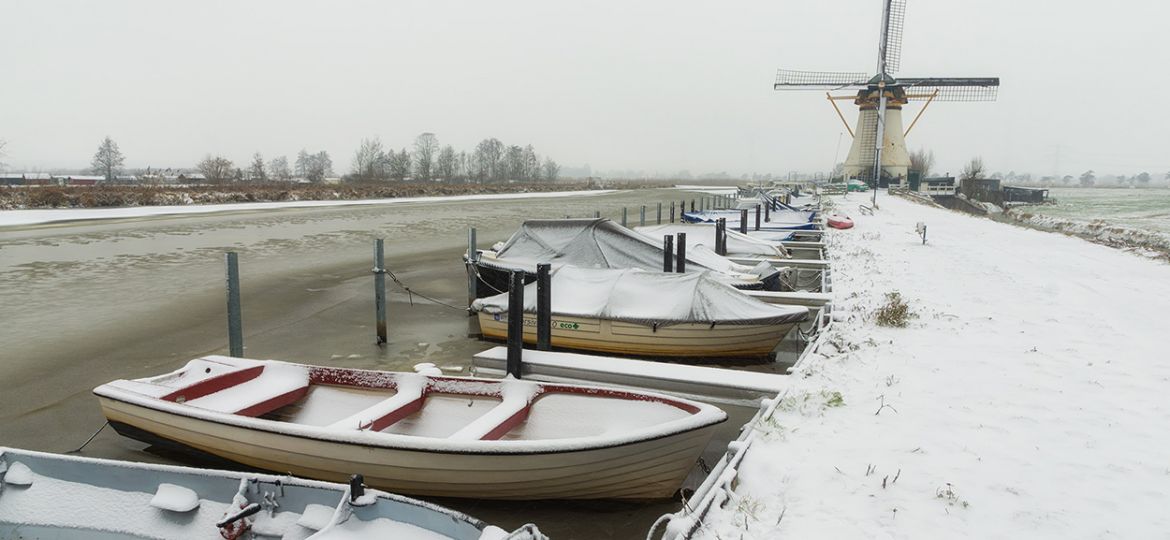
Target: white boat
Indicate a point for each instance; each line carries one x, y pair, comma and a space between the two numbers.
738, 244
420, 434
654, 314
51, 496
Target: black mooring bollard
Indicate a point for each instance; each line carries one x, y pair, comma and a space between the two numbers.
672, 211
743, 221
722, 237
718, 223
757, 217
235, 318
668, 253
515, 323
659, 214
692, 205
680, 260
543, 307
596, 214
623, 216
380, 289
768, 213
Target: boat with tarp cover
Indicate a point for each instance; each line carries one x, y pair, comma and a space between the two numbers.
656, 314
73, 498
420, 434
601, 243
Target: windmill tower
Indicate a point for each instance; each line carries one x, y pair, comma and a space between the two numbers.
880, 99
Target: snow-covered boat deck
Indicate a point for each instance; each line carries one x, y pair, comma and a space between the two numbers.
1026, 397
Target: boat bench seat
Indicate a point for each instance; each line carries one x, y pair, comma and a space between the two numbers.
385, 413
275, 386
495, 423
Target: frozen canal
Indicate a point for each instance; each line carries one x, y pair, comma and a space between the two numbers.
88, 302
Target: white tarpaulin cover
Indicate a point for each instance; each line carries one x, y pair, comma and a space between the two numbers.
778, 217
650, 298
601, 243
738, 244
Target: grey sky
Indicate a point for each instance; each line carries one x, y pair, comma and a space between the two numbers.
655, 86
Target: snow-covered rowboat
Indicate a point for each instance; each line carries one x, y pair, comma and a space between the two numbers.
73, 498
838, 221
652, 314
420, 434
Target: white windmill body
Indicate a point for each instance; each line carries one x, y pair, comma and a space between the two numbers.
880, 99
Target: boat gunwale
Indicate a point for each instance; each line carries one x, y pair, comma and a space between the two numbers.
702, 416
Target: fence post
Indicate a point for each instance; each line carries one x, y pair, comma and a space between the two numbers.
380, 289
235, 319
667, 253
680, 261
515, 323
472, 271
743, 221
543, 307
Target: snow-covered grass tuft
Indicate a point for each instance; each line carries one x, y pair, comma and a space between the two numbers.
895, 312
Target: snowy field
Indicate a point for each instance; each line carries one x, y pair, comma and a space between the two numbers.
11, 218
1028, 398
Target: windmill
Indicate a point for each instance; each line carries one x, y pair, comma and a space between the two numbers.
879, 145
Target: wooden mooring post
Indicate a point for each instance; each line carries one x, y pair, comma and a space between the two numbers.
515, 323
672, 211
667, 253
544, 306
680, 260
235, 317
659, 214
642, 216
743, 221
380, 289
757, 217
624, 216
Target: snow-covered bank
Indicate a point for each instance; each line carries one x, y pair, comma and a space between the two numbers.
10, 218
1028, 398
1147, 243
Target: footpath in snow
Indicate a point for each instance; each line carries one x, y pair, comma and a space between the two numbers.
12, 218
1028, 398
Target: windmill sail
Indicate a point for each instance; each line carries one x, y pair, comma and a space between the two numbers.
787, 79
952, 88
892, 27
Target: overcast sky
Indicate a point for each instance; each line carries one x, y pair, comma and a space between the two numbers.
645, 85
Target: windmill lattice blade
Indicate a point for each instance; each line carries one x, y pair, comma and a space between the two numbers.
952, 88
787, 79
894, 35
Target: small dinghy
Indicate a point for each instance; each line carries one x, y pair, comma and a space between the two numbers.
651, 314
838, 221
420, 434
68, 497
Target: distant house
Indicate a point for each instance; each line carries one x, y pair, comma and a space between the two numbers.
1024, 195
78, 180
25, 179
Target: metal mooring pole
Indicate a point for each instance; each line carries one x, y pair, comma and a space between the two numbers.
680, 260
235, 319
718, 236
543, 307
472, 272
380, 289
659, 214
623, 216
642, 216
672, 211
757, 217
596, 214
743, 221
515, 323
768, 212
667, 253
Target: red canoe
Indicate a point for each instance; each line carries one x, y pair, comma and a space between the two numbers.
838, 221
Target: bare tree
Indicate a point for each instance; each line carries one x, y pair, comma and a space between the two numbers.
426, 146
303, 163
973, 169
514, 163
445, 164
400, 164
1088, 179
922, 160
838, 171
463, 167
531, 164
3, 143
108, 159
278, 169
322, 167
551, 170
256, 172
216, 169
370, 161
488, 155
1143, 179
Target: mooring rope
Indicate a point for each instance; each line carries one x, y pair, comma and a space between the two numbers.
410, 293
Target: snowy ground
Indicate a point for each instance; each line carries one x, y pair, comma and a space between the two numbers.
1029, 398
9, 218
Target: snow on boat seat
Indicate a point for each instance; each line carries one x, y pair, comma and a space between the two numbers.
512, 410
383, 414
234, 385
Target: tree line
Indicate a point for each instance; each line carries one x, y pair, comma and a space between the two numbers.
490, 161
